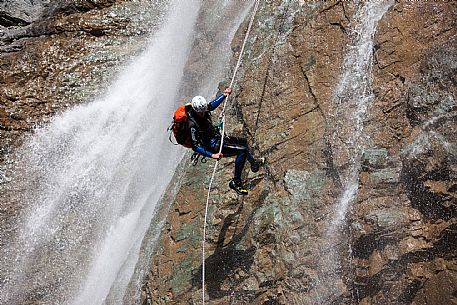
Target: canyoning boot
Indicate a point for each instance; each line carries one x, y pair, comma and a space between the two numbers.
237, 186
255, 166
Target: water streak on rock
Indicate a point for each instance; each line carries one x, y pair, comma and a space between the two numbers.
352, 99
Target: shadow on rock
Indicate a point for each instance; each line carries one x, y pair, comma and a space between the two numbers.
444, 247
228, 260
432, 205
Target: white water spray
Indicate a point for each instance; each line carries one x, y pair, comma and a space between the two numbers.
353, 97
101, 169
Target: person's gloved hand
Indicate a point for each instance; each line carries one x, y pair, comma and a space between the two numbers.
228, 91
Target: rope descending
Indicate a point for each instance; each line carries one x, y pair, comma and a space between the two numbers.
222, 119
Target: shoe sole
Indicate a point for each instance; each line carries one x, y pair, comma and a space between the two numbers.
238, 191
241, 193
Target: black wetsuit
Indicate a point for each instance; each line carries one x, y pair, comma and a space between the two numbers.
206, 139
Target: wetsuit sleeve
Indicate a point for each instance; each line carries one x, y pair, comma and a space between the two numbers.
196, 143
216, 102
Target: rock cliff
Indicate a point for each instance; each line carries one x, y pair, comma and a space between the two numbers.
397, 243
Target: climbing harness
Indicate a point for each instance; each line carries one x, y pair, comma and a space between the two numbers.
196, 157
222, 121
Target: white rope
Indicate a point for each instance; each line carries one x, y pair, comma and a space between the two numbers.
222, 115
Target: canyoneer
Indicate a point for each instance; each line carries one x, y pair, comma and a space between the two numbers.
193, 128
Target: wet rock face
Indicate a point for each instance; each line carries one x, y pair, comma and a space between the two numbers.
399, 245
262, 249
20, 12
413, 121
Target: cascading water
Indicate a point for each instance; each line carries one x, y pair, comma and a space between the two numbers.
352, 99
97, 172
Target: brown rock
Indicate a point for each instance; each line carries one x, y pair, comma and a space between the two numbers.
439, 289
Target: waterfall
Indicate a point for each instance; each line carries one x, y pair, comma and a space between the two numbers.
96, 173
352, 99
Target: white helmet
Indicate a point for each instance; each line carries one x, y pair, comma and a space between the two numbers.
199, 104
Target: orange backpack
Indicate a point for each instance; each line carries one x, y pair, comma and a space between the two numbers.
180, 126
